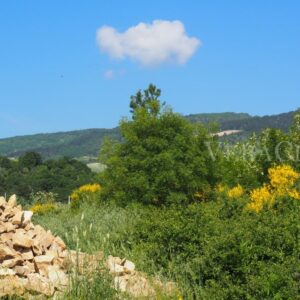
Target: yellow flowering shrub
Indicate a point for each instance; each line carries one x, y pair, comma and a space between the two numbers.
43, 208
220, 188
259, 198
85, 192
236, 192
283, 181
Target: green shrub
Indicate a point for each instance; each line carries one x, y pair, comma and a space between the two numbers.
217, 251
162, 160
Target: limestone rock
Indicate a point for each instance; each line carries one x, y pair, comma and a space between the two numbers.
6, 272
129, 266
12, 285
21, 240
10, 263
6, 252
40, 284
12, 201
17, 219
57, 277
2, 202
27, 215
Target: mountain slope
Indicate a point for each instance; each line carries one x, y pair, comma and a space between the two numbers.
88, 142
73, 143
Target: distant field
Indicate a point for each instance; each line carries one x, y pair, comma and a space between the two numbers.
96, 167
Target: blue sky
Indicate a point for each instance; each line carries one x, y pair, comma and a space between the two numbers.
54, 76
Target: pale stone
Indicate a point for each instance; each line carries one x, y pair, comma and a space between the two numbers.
60, 243
24, 270
21, 240
6, 272
10, 263
2, 202
120, 283
26, 254
139, 286
40, 284
2, 227
9, 227
129, 266
57, 276
6, 252
17, 218
43, 262
45, 240
4, 237
11, 286
113, 264
31, 233
47, 259
28, 226
12, 201
36, 247
27, 215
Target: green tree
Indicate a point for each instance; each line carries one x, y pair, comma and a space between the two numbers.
30, 160
294, 139
148, 100
163, 159
274, 147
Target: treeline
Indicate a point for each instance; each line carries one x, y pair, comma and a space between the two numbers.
55, 145
88, 142
30, 174
257, 124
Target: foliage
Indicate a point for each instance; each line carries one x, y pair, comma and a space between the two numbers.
213, 256
43, 208
163, 159
43, 202
238, 164
85, 193
259, 198
29, 176
236, 192
213, 250
283, 181
30, 160
56, 145
87, 142
43, 197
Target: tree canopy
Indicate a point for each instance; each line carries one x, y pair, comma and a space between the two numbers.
163, 158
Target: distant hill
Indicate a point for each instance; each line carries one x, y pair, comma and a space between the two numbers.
88, 142
51, 145
217, 117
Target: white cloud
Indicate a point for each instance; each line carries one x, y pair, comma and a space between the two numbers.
109, 74
149, 44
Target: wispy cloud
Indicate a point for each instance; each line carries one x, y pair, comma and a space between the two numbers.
149, 44
109, 74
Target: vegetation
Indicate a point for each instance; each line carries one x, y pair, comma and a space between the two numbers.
163, 158
31, 175
83, 143
85, 193
55, 145
219, 219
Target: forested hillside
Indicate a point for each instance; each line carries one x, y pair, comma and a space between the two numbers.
52, 145
88, 142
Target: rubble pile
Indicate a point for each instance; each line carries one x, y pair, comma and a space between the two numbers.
33, 261
31, 258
